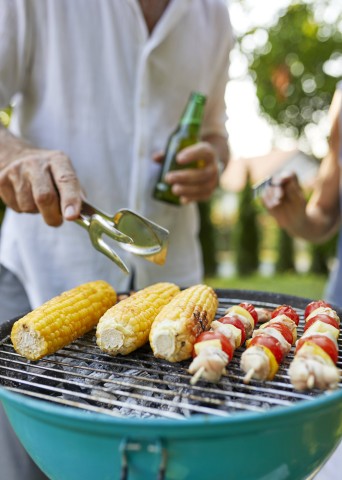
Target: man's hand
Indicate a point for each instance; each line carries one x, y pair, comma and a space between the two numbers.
285, 201
34, 180
194, 184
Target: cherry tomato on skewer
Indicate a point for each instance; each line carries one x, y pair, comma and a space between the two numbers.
234, 320
288, 311
210, 336
314, 305
284, 330
250, 308
322, 318
271, 343
322, 341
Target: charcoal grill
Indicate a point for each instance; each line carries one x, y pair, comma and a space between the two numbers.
138, 417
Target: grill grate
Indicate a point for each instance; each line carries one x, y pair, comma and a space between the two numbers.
140, 385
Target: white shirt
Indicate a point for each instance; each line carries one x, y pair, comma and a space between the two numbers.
89, 80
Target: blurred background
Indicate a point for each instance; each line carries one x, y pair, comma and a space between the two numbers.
284, 69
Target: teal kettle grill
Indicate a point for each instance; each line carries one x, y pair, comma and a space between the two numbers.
83, 415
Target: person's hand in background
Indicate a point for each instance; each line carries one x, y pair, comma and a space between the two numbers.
285, 201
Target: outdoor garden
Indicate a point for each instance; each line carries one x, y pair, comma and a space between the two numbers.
295, 62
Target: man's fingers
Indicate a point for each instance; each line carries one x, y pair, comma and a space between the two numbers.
272, 196
192, 193
285, 189
158, 156
7, 193
201, 152
24, 198
16, 192
42, 181
68, 186
45, 195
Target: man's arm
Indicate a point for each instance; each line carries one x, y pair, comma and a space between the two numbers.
318, 219
324, 206
35, 180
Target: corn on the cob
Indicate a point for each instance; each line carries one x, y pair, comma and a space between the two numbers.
177, 326
126, 326
62, 319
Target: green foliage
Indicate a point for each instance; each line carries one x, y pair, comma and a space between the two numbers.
207, 239
285, 253
246, 233
289, 69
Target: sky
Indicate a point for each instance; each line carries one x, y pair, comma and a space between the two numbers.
244, 120
250, 134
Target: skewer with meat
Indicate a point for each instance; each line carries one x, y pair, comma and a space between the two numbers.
264, 314
214, 349
270, 344
314, 364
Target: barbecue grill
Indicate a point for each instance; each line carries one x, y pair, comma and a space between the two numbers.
82, 414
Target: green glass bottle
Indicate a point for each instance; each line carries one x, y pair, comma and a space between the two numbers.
186, 134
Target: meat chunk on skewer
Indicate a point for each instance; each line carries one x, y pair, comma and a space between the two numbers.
214, 349
314, 364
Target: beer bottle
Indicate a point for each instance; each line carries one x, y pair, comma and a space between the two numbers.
186, 134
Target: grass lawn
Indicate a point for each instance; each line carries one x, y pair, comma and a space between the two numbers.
305, 285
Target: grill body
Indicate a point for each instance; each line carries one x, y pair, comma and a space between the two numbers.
287, 443
284, 442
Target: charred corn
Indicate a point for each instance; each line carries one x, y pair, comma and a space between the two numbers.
62, 319
179, 323
126, 326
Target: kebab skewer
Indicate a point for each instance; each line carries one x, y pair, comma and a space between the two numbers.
214, 349
314, 364
270, 344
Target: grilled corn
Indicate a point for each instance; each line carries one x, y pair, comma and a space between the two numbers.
177, 326
126, 326
62, 319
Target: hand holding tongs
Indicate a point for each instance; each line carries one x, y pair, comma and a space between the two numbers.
135, 233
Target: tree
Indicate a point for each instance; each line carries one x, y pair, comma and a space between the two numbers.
321, 254
207, 239
285, 253
246, 233
293, 69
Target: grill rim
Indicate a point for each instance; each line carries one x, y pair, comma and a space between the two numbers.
304, 409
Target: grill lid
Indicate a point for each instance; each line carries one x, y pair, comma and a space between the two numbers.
139, 385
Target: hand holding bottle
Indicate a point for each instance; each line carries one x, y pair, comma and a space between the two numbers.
193, 184
190, 166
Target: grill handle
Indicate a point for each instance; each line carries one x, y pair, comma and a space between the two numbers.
129, 446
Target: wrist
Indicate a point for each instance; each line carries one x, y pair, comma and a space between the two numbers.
11, 147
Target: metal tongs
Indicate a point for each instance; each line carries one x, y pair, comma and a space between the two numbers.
135, 234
